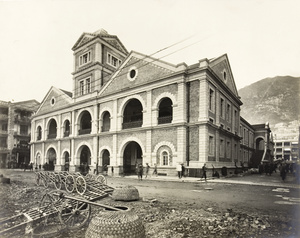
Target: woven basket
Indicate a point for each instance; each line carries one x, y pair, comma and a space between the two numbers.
115, 224
127, 193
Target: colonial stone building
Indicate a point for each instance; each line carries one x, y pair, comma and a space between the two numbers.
15, 128
128, 108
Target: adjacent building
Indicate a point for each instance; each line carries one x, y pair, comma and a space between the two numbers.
128, 108
286, 140
15, 129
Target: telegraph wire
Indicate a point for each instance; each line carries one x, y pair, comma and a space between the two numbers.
139, 60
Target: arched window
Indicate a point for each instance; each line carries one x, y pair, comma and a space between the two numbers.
52, 129
66, 128
106, 122
39, 133
165, 158
85, 123
133, 114
165, 114
105, 158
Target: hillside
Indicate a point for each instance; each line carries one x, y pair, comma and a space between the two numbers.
274, 100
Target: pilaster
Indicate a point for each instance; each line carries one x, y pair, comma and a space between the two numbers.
44, 130
73, 123
95, 120
179, 115
218, 107
181, 145
114, 118
148, 147
59, 153
115, 161
217, 146
203, 143
147, 116
59, 128
203, 101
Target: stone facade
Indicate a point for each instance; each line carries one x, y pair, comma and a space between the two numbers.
129, 108
15, 123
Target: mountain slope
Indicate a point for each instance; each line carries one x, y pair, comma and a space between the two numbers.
272, 100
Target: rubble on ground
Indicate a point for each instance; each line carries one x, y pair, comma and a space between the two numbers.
163, 218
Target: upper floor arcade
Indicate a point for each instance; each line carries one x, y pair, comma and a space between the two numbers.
99, 118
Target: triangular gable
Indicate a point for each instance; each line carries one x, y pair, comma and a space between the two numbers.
222, 69
55, 99
115, 42
110, 39
83, 39
148, 69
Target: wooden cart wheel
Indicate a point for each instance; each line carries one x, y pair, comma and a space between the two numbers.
74, 214
44, 180
100, 178
49, 203
80, 185
49, 207
37, 178
57, 181
89, 176
70, 183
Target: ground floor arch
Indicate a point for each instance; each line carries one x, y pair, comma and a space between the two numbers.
105, 157
84, 155
66, 161
131, 157
50, 159
260, 143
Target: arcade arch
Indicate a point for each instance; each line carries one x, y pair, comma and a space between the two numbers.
132, 156
52, 129
133, 114
85, 123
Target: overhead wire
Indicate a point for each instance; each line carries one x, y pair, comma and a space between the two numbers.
98, 81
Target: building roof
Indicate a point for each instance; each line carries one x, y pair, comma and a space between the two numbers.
113, 40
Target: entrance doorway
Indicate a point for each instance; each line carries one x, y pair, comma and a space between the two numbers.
51, 155
132, 156
85, 160
85, 155
67, 161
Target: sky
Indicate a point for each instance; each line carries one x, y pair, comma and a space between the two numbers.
261, 38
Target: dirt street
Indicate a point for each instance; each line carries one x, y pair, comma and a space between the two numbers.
182, 209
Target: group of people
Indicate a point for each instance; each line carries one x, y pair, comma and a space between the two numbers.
140, 170
27, 166
180, 170
284, 168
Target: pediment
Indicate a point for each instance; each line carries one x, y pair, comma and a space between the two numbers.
222, 69
110, 39
54, 100
84, 40
147, 70
116, 43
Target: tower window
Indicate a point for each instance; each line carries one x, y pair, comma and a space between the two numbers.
85, 58
113, 61
85, 86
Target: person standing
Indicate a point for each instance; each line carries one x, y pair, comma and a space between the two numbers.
183, 170
140, 171
105, 169
283, 171
155, 170
179, 170
204, 172
147, 169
